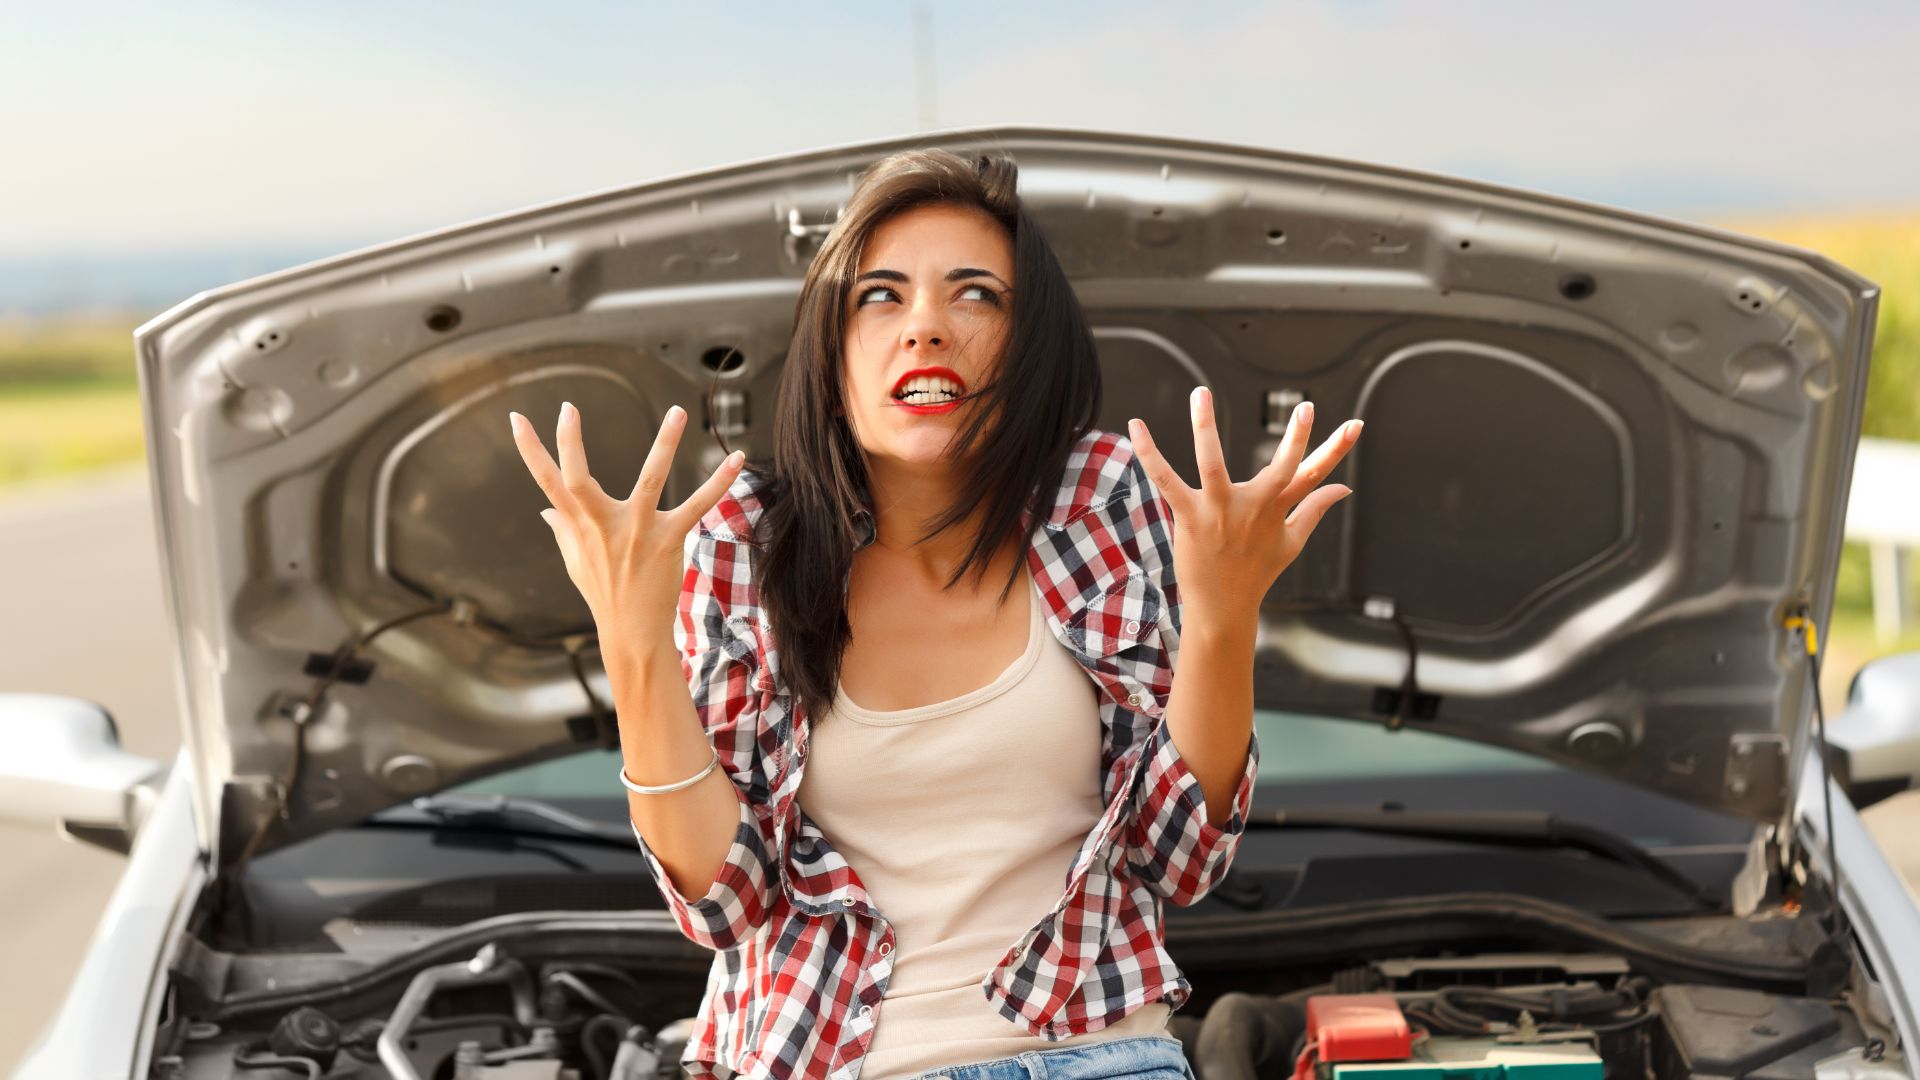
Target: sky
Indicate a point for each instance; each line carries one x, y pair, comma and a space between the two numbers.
137, 131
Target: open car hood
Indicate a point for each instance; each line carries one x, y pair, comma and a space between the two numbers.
1606, 454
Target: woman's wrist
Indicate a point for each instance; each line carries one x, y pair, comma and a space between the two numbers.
1225, 624
641, 664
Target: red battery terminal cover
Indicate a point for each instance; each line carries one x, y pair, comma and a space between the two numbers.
1353, 1027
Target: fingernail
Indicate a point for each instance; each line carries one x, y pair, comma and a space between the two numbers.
675, 412
736, 458
514, 420
1353, 428
566, 409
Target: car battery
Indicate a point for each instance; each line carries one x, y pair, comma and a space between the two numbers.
1352, 1027
1366, 1037
1477, 1058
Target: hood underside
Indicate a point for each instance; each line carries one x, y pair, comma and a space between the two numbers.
1606, 454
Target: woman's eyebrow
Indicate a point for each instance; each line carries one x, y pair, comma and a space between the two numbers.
962, 272
959, 273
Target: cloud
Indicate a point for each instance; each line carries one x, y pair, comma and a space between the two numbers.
1752, 103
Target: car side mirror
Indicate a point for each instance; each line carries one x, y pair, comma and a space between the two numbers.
1877, 736
61, 765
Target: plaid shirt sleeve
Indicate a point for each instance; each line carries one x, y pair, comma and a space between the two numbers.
720, 659
1170, 845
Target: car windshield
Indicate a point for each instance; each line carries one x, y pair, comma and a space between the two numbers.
1294, 748
1313, 762
1322, 833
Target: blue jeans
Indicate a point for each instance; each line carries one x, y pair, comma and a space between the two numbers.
1137, 1057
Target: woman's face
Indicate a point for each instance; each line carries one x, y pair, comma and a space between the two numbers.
926, 319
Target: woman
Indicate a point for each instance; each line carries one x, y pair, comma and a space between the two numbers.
925, 659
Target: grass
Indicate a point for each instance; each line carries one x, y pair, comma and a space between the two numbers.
56, 429
69, 350
69, 399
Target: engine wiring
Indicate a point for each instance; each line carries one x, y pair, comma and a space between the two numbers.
1802, 621
1477, 1010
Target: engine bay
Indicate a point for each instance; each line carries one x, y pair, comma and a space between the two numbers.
1517, 992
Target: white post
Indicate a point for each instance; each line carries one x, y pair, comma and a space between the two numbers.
1892, 590
1883, 511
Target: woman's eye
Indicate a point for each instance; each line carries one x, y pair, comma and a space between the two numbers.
870, 293
985, 294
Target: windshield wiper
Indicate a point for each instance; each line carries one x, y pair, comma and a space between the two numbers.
1507, 828
506, 814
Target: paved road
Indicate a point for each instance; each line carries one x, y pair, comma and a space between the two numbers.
80, 586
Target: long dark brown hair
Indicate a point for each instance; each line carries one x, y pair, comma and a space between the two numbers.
1044, 395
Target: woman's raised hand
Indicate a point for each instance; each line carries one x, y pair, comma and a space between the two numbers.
625, 556
1231, 540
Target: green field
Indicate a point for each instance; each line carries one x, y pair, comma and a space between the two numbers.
69, 399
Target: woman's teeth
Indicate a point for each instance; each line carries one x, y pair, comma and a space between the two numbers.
929, 391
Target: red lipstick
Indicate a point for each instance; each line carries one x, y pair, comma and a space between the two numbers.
935, 372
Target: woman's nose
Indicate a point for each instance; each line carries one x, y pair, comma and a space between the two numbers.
926, 330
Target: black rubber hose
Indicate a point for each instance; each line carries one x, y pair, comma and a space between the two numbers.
601, 1057
1248, 1036
1278, 939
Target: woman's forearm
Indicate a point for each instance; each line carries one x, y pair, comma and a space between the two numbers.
662, 742
1210, 712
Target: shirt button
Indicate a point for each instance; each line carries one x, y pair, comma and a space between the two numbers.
1133, 626
1133, 698
886, 947
847, 900
866, 1011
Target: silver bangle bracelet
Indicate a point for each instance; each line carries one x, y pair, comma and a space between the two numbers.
687, 783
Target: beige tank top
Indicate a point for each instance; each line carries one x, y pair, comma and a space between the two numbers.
962, 819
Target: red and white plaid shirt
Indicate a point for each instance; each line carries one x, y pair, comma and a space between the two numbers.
802, 955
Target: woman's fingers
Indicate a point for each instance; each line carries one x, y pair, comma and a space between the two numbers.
1207, 453
707, 495
1293, 446
1172, 488
534, 454
1307, 515
1316, 468
573, 460
653, 471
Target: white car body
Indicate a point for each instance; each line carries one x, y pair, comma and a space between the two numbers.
1689, 379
